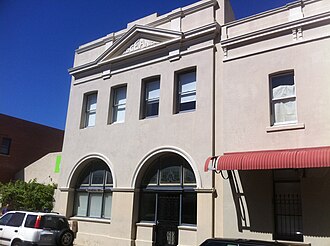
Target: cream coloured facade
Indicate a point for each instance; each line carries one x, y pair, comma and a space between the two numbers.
150, 103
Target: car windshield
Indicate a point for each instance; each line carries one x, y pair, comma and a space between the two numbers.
53, 222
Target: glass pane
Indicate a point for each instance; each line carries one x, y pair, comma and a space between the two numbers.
109, 180
80, 204
5, 146
285, 111
107, 205
30, 221
170, 175
152, 90
191, 97
189, 208
152, 108
187, 82
85, 181
91, 102
188, 176
282, 80
95, 205
98, 177
91, 117
187, 106
147, 207
4, 219
119, 114
120, 96
16, 220
284, 91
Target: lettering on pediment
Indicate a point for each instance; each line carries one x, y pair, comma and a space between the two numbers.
139, 45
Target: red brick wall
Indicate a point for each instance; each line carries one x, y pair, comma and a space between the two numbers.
29, 142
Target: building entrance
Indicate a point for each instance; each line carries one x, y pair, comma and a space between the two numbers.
168, 198
167, 219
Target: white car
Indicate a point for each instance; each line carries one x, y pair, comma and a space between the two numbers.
20, 228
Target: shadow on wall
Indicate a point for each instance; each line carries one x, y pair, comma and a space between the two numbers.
252, 193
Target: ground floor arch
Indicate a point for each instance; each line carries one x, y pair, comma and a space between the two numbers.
167, 197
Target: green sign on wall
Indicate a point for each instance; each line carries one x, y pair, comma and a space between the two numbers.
58, 164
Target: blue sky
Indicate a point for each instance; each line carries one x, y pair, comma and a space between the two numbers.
38, 39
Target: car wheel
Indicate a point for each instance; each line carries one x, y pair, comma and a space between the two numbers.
16, 243
65, 238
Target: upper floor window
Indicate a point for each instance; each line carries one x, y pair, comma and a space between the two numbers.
283, 99
5, 146
186, 90
151, 97
89, 116
118, 104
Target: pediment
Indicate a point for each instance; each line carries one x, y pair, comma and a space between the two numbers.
139, 39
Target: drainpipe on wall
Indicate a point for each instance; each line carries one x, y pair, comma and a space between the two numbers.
213, 137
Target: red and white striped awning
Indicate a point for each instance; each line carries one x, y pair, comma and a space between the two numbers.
274, 159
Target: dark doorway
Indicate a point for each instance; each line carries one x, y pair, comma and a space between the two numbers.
168, 198
168, 215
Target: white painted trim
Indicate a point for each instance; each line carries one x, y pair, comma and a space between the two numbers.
94, 220
161, 150
285, 127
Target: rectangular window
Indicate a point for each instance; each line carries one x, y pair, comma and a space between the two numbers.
90, 110
148, 207
189, 208
5, 146
81, 202
283, 99
119, 104
151, 98
186, 91
95, 205
107, 201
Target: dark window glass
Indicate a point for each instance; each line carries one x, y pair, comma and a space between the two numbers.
30, 221
16, 219
5, 146
170, 175
53, 222
4, 220
188, 176
148, 207
109, 180
98, 177
189, 208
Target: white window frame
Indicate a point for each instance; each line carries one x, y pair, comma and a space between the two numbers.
116, 105
180, 94
273, 101
150, 101
89, 112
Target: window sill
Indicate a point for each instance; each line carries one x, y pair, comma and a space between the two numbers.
287, 127
146, 224
187, 227
95, 220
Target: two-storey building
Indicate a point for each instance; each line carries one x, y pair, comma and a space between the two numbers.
150, 103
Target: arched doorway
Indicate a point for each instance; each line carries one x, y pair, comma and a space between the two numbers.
168, 197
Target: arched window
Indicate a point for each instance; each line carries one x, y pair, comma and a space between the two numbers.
169, 179
93, 191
